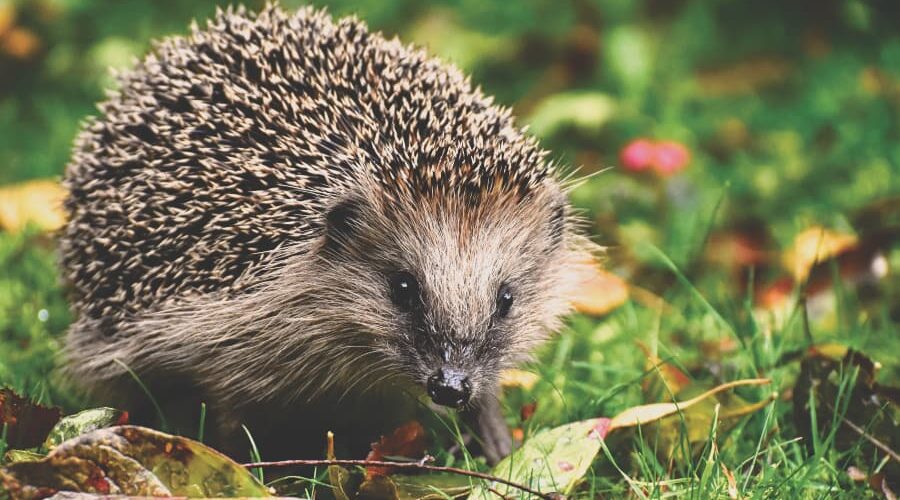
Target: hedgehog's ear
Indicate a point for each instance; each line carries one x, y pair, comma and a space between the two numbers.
342, 222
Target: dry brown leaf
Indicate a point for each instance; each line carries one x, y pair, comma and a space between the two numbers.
600, 292
732, 483
38, 202
408, 440
25, 423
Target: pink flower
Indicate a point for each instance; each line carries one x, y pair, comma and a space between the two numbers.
665, 158
638, 155
671, 157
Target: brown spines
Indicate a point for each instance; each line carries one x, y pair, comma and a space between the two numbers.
224, 145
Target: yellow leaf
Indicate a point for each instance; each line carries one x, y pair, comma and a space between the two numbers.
518, 378
813, 245
7, 16
650, 413
600, 292
830, 350
39, 202
20, 43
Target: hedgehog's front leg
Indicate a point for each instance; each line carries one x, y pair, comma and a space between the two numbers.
487, 421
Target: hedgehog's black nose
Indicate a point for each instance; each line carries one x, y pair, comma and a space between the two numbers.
449, 387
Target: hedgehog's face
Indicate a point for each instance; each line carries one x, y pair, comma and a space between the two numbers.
450, 293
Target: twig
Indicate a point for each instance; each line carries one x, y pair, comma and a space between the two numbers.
868, 437
405, 465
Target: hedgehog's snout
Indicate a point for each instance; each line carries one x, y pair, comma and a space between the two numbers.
449, 387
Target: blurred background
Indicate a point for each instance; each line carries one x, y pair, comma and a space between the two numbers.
750, 145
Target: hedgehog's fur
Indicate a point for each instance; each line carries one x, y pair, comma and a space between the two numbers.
234, 209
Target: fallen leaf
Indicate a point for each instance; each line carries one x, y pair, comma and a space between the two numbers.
81, 423
644, 414
131, 460
600, 292
27, 423
39, 202
408, 440
527, 410
515, 377
830, 350
552, 460
812, 246
7, 16
692, 425
869, 414
13, 456
20, 43
436, 486
378, 487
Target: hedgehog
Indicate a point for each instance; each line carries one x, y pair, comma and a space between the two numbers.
308, 226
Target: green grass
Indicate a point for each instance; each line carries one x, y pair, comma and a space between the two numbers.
791, 121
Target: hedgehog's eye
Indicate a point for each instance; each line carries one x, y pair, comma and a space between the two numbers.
404, 290
504, 301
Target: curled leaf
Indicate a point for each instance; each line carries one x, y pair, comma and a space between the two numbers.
130, 460
83, 422
408, 440
814, 245
650, 413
